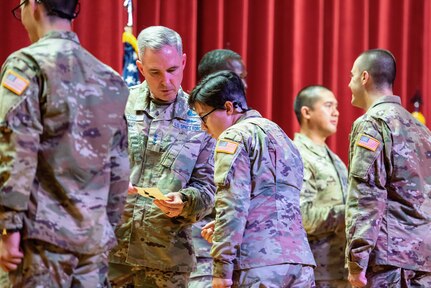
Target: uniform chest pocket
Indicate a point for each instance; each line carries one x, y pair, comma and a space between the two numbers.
136, 134
182, 155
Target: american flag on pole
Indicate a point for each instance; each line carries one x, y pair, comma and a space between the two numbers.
130, 70
368, 142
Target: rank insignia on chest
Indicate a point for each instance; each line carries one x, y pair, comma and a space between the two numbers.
226, 146
368, 142
15, 82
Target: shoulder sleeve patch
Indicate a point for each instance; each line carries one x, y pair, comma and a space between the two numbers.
15, 82
226, 146
368, 142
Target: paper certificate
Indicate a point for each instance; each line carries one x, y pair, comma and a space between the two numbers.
153, 193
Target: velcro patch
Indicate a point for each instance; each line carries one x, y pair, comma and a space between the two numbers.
368, 142
15, 82
226, 146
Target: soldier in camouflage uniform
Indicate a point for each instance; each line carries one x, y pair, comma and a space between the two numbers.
388, 208
325, 184
63, 153
167, 149
213, 61
258, 239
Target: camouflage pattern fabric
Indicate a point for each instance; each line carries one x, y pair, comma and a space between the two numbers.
258, 219
4, 279
63, 143
322, 207
202, 277
143, 277
167, 149
333, 284
395, 277
388, 209
46, 265
277, 276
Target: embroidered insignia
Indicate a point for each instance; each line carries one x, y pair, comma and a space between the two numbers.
368, 142
226, 146
15, 82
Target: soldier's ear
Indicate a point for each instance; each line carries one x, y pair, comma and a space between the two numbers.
365, 77
140, 66
305, 112
229, 107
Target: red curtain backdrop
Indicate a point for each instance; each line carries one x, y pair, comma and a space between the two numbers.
286, 44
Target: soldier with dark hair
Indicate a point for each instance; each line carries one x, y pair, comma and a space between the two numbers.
63, 154
222, 59
213, 61
258, 238
388, 215
325, 184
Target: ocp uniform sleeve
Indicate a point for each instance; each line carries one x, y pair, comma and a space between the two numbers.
367, 195
317, 219
233, 180
120, 171
20, 130
201, 189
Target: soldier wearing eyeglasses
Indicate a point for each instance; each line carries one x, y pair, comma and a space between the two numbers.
257, 237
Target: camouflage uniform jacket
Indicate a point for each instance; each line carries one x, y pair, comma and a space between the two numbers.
167, 149
322, 207
63, 145
258, 217
388, 208
202, 247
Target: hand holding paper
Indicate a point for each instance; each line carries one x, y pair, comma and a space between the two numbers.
153, 193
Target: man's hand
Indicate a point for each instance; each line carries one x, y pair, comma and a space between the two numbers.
208, 231
358, 280
222, 283
172, 207
10, 254
132, 190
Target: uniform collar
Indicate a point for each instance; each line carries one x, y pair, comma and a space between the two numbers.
387, 99
310, 145
249, 114
55, 34
143, 100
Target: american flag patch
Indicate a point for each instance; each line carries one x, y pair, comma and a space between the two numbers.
368, 142
14, 82
226, 146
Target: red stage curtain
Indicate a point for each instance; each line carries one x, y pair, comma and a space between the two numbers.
286, 44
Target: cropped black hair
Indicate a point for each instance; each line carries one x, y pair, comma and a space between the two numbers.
217, 88
307, 97
216, 60
381, 65
68, 9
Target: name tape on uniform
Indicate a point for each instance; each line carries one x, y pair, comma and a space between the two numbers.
226, 146
368, 142
15, 82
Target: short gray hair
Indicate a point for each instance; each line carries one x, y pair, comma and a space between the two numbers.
156, 37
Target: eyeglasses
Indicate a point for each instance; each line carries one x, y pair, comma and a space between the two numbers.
203, 118
17, 10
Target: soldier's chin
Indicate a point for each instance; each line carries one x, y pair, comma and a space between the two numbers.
167, 96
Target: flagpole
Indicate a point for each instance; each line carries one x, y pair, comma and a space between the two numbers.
130, 70
129, 6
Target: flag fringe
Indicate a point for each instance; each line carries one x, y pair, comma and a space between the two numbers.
131, 39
